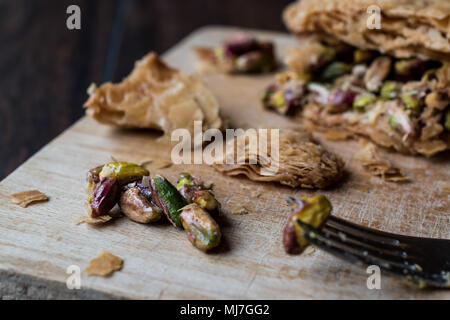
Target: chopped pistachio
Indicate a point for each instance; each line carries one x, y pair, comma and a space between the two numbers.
392, 122
390, 90
437, 100
328, 54
361, 55
335, 70
411, 100
362, 101
194, 192
185, 180
220, 52
267, 93
277, 99
315, 212
304, 76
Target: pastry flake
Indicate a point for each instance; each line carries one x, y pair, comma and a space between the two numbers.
377, 166
104, 265
299, 162
25, 198
154, 96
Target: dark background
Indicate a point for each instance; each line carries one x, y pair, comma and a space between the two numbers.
45, 68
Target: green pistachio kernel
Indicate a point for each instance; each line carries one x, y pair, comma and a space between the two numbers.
170, 200
124, 172
390, 90
335, 70
393, 122
277, 99
411, 100
362, 101
185, 180
315, 212
202, 230
220, 53
360, 56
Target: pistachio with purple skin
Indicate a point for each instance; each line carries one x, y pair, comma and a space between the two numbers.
342, 97
104, 197
194, 192
254, 61
249, 55
240, 45
290, 243
265, 97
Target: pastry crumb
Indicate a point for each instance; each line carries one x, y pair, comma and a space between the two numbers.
25, 198
309, 251
371, 160
104, 265
90, 220
239, 210
256, 194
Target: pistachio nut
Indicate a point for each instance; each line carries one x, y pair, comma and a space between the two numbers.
334, 70
124, 172
363, 100
104, 197
169, 199
315, 212
390, 90
194, 192
138, 207
202, 231
361, 56
411, 100
290, 243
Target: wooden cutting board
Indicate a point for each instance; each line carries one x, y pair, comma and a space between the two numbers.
38, 243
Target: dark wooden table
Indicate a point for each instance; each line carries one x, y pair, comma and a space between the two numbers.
45, 68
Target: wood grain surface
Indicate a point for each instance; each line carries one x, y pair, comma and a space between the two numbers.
159, 263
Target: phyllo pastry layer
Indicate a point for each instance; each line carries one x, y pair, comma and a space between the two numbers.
408, 28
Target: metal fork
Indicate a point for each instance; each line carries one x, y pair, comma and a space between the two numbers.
422, 261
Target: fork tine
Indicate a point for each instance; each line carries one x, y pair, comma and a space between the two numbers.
339, 249
377, 249
364, 232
